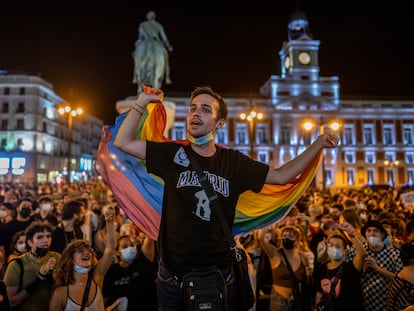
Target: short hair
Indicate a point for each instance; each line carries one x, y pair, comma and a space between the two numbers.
70, 208
338, 206
223, 111
338, 236
36, 227
45, 199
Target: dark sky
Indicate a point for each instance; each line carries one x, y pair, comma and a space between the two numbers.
84, 47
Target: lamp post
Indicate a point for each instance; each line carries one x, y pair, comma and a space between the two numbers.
390, 170
332, 125
251, 117
71, 113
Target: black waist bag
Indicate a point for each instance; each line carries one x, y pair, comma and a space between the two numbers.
204, 290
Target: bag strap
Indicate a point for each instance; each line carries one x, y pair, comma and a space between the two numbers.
86, 292
20, 262
336, 279
213, 199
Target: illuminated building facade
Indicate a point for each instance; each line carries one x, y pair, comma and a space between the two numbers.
34, 144
377, 136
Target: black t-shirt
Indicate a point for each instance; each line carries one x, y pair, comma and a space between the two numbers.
190, 234
136, 282
61, 238
348, 289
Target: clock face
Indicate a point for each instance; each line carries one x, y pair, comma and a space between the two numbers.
304, 58
287, 62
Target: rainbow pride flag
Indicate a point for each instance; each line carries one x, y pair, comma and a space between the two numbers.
140, 194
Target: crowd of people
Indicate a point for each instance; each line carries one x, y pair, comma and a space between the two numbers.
54, 239
70, 248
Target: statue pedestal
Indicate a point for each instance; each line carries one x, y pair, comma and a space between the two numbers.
126, 104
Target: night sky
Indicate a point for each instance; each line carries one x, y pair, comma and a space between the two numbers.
84, 47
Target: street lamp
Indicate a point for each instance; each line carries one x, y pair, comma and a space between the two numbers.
71, 113
390, 170
333, 125
251, 117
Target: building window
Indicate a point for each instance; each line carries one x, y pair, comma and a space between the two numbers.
242, 134
20, 124
368, 135
350, 176
285, 135
350, 157
3, 144
409, 157
370, 176
20, 108
5, 108
178, 132
410, 175
408, 135
388, 137
347, 138
22, 91
263, 156
19, 144
4, 125
221, 137
261, 134
370, 158
6, 91
328, 177
390, 156
390, 176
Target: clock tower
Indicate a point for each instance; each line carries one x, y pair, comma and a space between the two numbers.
299, 55
299, 84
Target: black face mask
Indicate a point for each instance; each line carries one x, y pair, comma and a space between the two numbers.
25, 212
288, 243
40, 252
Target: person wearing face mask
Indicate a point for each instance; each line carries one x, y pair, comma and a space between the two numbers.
283, 296
188, 220
382, 262
45, 211
30, 285
21, 222
347, 292
18, 245
132, 278
78, 263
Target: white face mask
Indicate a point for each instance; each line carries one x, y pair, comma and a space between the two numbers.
47, 207
81, 270
3, 213
128, 254
21, 247
374, 241
334, 253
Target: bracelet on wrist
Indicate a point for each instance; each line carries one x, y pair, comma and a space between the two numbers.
138, 108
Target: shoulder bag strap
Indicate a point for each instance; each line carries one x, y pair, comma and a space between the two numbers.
213, 199
336, 279
86, 292
288, 265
